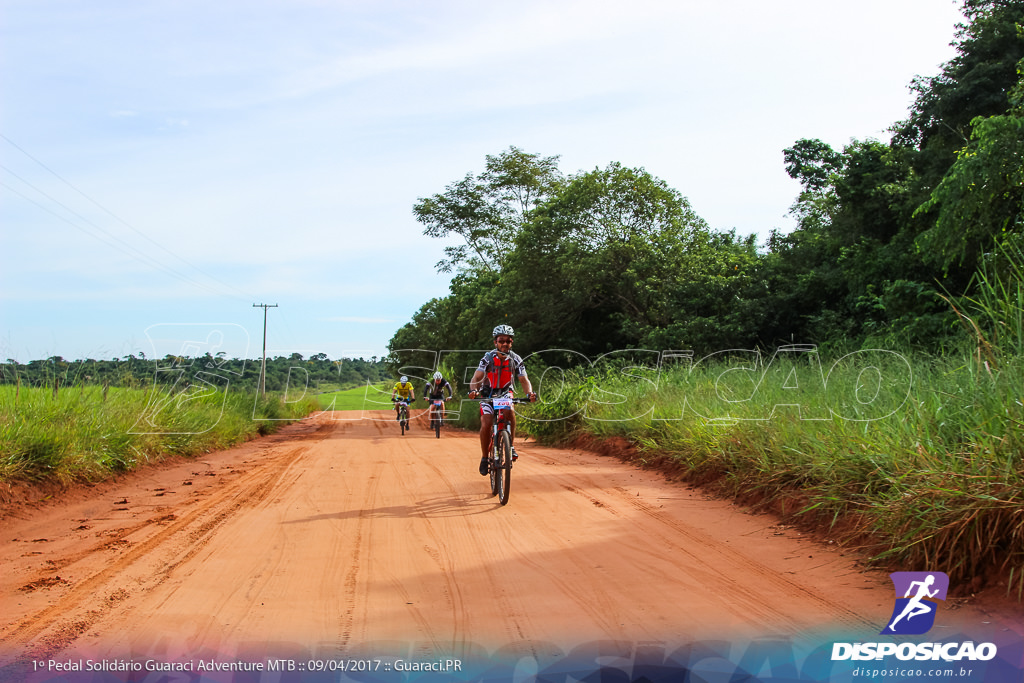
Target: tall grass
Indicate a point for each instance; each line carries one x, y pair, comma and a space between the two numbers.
994, 315
86, 433
918, 460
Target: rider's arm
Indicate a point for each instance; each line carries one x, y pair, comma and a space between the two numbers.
477, 381
524, 382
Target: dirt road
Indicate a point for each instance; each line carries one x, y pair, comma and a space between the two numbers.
338, 534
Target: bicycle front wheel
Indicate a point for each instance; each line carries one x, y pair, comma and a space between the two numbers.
492, 467
504, 466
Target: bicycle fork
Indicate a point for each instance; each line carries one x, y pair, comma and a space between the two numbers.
499, 427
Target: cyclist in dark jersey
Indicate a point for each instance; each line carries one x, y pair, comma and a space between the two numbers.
495, 377
436, 387
435, 390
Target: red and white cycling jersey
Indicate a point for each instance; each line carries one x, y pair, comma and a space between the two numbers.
499, 372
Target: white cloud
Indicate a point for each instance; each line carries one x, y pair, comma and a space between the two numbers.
278, 147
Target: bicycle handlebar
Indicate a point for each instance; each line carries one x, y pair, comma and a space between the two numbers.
514, 399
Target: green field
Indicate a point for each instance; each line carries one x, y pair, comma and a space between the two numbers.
367, 397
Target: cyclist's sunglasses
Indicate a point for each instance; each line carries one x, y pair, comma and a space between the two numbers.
503, 340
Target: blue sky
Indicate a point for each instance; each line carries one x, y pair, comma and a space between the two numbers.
166, 165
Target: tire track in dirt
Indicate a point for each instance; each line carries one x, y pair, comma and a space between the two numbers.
403, 467
142, 565
742, 564
437, 550
351, 582
446, 564
735, 596
502, 557
713, 555
357, 536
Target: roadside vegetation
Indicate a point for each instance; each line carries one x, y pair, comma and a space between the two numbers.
878, 393
915, 461
88, 433
70, 421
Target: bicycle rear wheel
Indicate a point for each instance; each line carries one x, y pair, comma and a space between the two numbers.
504, 466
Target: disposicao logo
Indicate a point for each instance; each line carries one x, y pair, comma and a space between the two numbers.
914, 612
917, 596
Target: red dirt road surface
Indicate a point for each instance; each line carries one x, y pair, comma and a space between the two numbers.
337, 534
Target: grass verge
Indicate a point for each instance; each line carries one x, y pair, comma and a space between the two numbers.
918, 461
87, 434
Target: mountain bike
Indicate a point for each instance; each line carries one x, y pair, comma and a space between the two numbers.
403, 413
437, 415
499, 464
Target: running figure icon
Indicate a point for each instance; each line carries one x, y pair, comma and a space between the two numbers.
915, 607
920, 592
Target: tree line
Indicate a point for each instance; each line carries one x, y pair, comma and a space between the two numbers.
891, 236
237, 374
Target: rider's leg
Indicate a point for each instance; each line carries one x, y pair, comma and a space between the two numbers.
512, 434
486, 421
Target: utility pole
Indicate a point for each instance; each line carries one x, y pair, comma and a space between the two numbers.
262, 388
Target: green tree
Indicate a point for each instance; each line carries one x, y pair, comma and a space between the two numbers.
618, 259
974, 83
980, 200
488, 210
877, 221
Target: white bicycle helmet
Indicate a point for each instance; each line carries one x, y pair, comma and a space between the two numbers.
438, 376
404, 379
503, 329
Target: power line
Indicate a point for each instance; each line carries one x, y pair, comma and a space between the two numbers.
138, 253
106, 237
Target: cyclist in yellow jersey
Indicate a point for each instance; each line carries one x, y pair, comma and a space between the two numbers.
403, 388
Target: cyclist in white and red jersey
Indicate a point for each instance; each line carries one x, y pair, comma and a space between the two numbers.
495, 377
